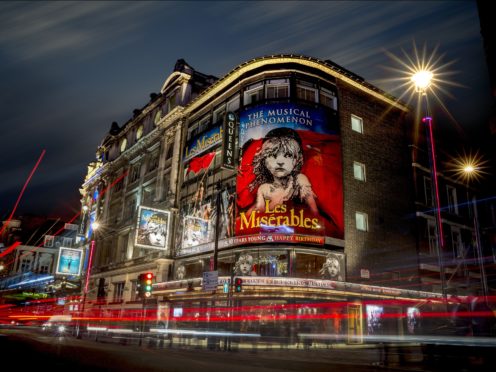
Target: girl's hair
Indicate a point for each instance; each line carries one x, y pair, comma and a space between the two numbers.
283, 140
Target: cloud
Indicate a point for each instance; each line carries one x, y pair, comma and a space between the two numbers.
36, 30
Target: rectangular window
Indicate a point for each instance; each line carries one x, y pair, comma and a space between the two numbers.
233, 104
253, 94
43, 268
219, 114
456, 239
306, 93
277, 88
362, 222
118, 186
202, 126
71, 226
48, 241
122, 243
129, 211
26, 264
134, 288
432, 236
172, 100
67, 242
452, 199
153, 162
357, 124
429, 200
118, 291
328, 99
135, 173
359, 171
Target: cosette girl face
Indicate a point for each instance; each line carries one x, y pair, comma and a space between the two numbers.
280, 164
156, 234
245, 264
333, 267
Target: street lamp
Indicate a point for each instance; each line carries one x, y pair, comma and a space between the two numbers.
94, 226
422, 80
471, 170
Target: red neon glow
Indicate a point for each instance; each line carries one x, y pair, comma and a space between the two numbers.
428, 120
10, 249
92, 248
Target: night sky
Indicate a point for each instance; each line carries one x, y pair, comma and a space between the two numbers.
67, 70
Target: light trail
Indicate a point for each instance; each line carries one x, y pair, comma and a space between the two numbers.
6, 223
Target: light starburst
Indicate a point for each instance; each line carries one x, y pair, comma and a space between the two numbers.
429, 73
468, 167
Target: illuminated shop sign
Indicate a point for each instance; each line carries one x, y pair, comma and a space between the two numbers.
152, 228
290, 176
203, 142
372, 310
228, 141
69, 261
252, 239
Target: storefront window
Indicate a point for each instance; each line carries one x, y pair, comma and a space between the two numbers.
308, 265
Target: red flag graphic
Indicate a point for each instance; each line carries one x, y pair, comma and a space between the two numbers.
200, 162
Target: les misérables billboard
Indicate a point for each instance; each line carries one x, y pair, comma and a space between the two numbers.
152, 228
289, 184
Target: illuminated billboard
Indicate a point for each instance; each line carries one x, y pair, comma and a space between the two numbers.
152, 228
195, 231
289, 182
375, 314
69, 261
203, 142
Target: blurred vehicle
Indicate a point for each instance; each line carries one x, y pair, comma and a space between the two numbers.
58, 325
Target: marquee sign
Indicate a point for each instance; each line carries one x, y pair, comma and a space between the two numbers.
228, 141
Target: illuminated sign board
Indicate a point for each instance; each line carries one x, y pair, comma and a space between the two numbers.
229, 141
152, 228
203, 142
289, 181
69, 261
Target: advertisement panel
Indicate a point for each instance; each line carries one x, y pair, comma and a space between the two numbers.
290, 175
203, 142
152, 228
195, 231
334, 267
69, 261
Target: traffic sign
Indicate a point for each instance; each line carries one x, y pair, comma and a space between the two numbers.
210, 280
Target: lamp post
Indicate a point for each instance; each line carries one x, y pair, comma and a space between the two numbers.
470, 170
95, 225
422, 81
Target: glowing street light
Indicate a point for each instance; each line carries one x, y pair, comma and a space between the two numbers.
471, 170
422, 80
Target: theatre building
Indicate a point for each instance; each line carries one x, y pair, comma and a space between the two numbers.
290, 173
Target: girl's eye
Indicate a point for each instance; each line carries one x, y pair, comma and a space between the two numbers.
288, 155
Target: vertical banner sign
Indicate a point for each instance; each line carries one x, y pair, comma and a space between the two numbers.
228, 141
